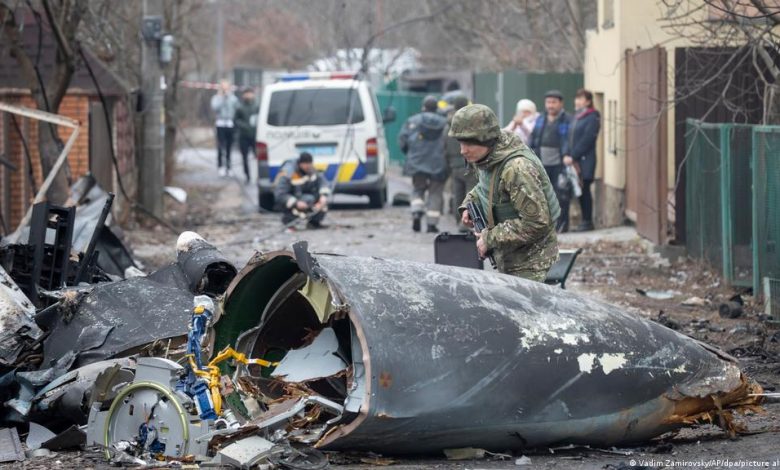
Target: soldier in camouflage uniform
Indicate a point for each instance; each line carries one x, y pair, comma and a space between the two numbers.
515, 194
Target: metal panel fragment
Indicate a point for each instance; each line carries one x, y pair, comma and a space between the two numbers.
10, 447
17, 328
319, 359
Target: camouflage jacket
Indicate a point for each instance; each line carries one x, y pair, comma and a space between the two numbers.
522, 236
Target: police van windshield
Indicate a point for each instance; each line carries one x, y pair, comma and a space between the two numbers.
320, 107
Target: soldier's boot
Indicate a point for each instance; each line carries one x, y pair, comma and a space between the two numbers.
416, 221
432, 217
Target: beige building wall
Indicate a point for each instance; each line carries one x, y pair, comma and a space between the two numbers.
624, 26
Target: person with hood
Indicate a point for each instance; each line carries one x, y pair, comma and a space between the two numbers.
462, 175
422, 141
224, 105
514, 193
583, 135
246, 122
302, 191
550, 142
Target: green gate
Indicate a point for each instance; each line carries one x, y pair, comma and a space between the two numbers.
766, 203
406, 104
733, 199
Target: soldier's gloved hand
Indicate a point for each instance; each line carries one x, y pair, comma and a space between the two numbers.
301, 205
481, 247
465, 219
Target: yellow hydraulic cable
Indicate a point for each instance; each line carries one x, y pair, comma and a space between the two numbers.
212, 372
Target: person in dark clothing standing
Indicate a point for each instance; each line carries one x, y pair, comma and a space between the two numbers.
302, 191
422, 142
246, 122
550, 142
582, 145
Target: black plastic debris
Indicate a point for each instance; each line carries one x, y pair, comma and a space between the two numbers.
732, 308
206, 268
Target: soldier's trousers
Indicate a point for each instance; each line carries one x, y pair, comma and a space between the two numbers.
431, 203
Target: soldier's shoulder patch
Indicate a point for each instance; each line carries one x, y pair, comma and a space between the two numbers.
529, 208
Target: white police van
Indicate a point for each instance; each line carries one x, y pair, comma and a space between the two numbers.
333, 116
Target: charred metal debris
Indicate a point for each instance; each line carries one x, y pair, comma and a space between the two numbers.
298, 353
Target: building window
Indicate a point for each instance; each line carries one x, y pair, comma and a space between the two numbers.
608, 13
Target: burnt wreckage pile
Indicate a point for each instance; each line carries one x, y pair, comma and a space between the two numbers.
296, 352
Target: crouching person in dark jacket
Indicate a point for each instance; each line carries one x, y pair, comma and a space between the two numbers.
302, 192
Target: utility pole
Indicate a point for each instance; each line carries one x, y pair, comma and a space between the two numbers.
151, 175
220, 42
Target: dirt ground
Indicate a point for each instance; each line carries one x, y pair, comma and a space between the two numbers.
615, 265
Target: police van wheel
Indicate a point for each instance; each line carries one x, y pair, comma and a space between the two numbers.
377, 199
267, 201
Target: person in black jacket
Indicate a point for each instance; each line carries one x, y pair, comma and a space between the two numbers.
582, 144
302, 191
246, 122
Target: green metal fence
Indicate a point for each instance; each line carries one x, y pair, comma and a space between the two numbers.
766, 202
501, 91
406, 104
733, 199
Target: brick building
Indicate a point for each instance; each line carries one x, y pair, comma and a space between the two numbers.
91, 152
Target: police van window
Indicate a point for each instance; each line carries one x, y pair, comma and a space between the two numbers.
321, 107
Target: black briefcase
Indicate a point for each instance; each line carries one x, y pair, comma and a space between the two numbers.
456, 249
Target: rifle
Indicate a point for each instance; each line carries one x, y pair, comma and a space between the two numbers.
480, 224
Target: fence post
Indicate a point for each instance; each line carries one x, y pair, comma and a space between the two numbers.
725, 202
754, 166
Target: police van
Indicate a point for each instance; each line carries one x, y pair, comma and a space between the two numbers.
333, 116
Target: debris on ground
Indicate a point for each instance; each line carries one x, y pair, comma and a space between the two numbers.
198, 363
733, 308
465, 453
10, 447
695, 302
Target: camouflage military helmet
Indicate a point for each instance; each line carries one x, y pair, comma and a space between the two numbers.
475, 123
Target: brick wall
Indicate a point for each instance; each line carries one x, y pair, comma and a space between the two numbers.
16, 189
21, 189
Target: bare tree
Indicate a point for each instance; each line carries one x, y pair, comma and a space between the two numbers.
63, 19
741, 33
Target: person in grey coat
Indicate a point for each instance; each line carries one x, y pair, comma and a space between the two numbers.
422, 141
224, 105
